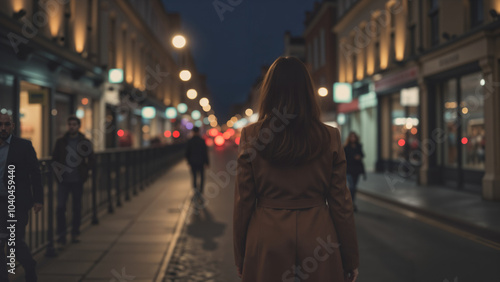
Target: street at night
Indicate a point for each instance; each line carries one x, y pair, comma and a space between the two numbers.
250, 140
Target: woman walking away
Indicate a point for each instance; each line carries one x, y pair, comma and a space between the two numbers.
293, 216
355, 167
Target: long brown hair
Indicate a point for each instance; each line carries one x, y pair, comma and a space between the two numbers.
289, 115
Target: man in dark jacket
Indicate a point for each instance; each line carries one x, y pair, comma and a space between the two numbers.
20, 190
197, 157
71, 159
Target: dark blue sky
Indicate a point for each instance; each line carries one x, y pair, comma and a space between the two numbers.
230, 52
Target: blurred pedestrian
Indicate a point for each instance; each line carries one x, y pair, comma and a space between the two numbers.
293, 216
355, 167
21, 186
197, 157
71, 160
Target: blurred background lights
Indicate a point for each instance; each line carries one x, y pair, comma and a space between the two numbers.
148, 112
185, 75
171, 112
192, 94
198, 123
195, 115
203, 102
323, 92
182, 108
249, 112
179, 41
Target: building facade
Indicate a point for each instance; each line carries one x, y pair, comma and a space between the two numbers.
321, 51
434, 68
101, 60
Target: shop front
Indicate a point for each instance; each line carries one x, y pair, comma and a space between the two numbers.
360, 116
457, 88
399, 122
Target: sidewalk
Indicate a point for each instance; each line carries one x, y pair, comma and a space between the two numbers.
130, 244
461, 209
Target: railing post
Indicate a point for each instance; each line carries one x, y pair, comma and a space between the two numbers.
95, 220
142, 167
50, 251
108, 182
127, 176
134, 173
117, 179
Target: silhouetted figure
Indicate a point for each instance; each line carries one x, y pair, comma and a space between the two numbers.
291, 202
71, 160
19, 177
197, 157
355, 167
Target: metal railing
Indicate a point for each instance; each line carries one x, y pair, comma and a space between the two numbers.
117, 175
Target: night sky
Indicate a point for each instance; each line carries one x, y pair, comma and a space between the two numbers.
232, 50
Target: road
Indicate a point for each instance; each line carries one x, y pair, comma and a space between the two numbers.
393, 247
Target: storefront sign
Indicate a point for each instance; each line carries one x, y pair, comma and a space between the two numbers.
148, 112
115, 76
470, 53
410, 97
396, 79
342, 92
38, 97
367, 100
348, 107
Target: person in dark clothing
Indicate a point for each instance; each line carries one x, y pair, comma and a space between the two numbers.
21, 186
71, 159
355, 167
197, 157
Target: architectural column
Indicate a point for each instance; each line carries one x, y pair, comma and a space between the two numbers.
491, 179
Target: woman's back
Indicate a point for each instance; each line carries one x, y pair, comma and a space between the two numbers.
293, 214
289, 216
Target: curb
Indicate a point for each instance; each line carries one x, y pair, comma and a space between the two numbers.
160, 276
475, 229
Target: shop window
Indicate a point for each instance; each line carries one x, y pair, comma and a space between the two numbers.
398, 128
33, 116
7, 96
471, 113
450, 121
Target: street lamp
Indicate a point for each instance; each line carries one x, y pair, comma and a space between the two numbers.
249, 112
179, 41
203, 102
185, 75
323, 92
192, 94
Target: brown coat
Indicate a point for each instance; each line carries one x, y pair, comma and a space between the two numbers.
283, 227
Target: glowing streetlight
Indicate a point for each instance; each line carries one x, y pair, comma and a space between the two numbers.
203, 102
185, 75
323, 92
179, 41
192, 94
249, 112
